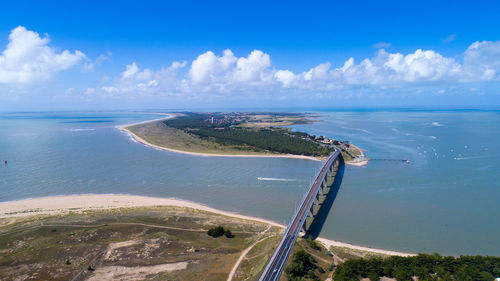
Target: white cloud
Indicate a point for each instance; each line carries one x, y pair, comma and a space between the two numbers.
89, 91
382, 45
28, 58
145, 81
89, 65
254, 73
286, 77
227, 72
450, 38
110, 89
482, 61
103, 57
70, 91
209, 68
130, 71
253, 69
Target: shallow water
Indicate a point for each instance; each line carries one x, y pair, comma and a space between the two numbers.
446, 200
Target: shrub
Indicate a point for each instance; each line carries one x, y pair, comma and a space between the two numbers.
313, 244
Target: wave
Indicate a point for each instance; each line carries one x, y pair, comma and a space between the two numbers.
356, 129
398, 131
274, 179
437, 124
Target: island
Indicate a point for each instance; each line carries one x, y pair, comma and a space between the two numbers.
241, 134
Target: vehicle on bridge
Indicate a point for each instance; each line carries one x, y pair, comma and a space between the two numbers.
310, 214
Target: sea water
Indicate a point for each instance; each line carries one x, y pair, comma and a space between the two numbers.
446, 199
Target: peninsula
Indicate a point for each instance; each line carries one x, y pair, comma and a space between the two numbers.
237, 134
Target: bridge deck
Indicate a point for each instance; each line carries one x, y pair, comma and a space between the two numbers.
275, 265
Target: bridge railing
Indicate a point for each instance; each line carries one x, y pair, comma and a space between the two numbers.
314, 185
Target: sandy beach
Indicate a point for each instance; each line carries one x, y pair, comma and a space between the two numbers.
144, 142
141, 140
72, 203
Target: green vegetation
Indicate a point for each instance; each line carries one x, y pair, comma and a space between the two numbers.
425, 267
255, 261
313, 244
105, 244
275, 140
113, 244
215, 232
307, 262
226, 130
228, 234
240, 134
218, 231
303, 264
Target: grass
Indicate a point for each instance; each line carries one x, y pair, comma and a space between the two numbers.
30, 250
348, 253
178, 137
322, 259
159, 134
255, 261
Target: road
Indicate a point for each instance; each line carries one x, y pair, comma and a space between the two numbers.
275, 265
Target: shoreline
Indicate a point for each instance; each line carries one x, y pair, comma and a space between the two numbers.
124, 128
63, 204
146, 143
359, 163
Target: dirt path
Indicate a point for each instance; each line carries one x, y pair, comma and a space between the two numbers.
242, 256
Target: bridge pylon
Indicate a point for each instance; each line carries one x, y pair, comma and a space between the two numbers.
323, 202
310, 214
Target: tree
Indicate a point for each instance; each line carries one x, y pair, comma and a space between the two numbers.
228, 234
400, 274
216, 231
485, 276
373, 276
302, 263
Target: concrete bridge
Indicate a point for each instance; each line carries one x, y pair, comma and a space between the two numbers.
310, 215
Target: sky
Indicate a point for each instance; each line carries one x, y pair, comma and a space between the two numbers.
100, 55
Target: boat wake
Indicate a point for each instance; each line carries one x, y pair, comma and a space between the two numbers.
275, 179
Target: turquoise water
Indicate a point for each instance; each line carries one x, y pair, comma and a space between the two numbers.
446, 200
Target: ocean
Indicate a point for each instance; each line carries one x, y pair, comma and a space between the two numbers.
446, 199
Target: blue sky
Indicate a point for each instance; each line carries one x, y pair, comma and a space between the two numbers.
156, 54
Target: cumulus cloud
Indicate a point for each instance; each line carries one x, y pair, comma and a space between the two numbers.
482, 61
28, 58
146, 81
89, 65
210, 72
254, 73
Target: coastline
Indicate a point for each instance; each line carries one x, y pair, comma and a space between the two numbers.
146, 143
359, 163
125, 129
64, 204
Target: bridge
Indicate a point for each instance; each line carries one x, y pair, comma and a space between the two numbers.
310, 215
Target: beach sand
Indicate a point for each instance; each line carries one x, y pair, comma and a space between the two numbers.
141, 140
73, 203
